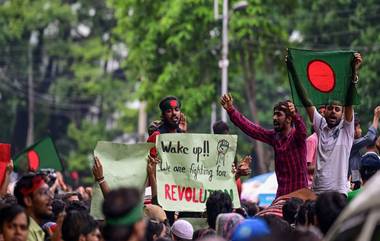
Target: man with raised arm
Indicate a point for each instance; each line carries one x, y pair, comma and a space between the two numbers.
288, 142
335, 134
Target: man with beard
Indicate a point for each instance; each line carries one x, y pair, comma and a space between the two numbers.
288, 142
33, 193
335, 137
170, 108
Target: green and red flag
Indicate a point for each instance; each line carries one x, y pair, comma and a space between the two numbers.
321, 76
40, 155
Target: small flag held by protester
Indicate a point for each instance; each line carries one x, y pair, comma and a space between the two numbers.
40, 155
5, 158
322, 76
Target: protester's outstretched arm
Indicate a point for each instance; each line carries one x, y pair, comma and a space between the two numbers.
349, 110
301, 132
97, 171
306, 102
251, 129
376, 117
371, 134
151, 169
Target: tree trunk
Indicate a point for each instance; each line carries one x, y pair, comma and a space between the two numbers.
247, 62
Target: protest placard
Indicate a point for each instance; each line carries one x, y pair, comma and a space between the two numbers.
192, 167
123, 166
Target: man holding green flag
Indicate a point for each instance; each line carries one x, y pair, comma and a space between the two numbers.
333, 77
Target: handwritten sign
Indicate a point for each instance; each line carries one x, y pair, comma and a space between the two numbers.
123, 166
192, 167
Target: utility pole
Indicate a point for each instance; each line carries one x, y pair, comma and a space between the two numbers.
142, 121
30, 132
223, 63
213, 116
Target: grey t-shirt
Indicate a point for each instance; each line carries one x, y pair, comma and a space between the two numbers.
334, 146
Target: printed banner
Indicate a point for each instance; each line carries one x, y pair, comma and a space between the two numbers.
192, 167
123, 165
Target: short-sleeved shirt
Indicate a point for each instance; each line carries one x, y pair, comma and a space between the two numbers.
334, 146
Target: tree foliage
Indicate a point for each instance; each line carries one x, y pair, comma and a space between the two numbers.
92, 58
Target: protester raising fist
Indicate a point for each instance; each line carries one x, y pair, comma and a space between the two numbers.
288, 139
226, 101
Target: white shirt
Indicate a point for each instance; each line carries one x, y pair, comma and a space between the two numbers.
334, 146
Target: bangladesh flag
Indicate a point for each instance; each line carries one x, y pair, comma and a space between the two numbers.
323, 76
42, 154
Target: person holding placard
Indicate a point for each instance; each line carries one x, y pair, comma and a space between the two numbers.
335, 132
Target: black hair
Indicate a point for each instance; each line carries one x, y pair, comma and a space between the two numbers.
26, 181
77, 206
117, 203
276, 224
68, 195
372, 144
218, 202
290, 209
367, 172
77, 223
283, 106
306, 213
328, 207
242, 211
251, 208
203, 233
153, 227
220, 127
168, 98
8, 213
58, 206
163, 239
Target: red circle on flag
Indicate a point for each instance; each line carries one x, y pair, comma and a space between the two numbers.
321, 76
33, 160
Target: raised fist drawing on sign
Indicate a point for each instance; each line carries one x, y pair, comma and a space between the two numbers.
222, 149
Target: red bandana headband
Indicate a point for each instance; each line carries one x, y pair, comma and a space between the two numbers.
169, 104
37, 181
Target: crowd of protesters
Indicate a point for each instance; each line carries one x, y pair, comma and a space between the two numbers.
313, 176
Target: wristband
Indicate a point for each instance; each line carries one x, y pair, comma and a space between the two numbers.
101, 181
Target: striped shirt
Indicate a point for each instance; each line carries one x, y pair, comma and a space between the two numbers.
290, 151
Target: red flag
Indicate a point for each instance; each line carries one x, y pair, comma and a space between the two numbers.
5, 158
